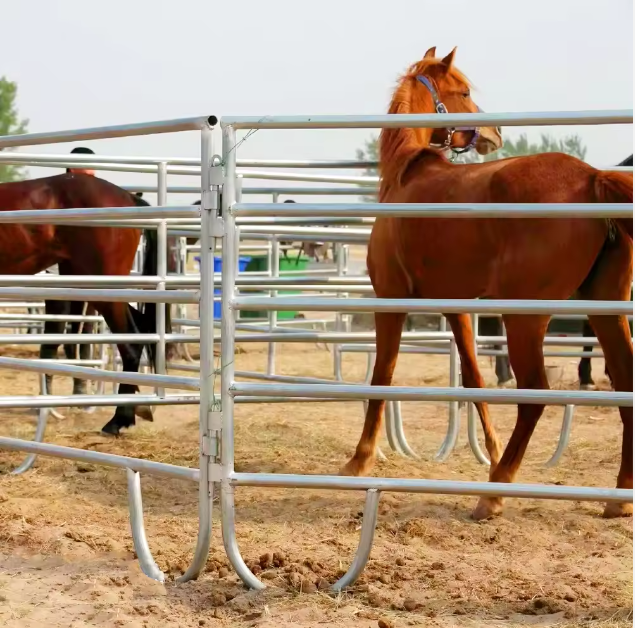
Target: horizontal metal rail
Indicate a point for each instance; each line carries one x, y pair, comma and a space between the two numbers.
412, 393
441, 306
99, 375
252, 190
82, 217
97, 457
73, 159
101, 296
431, 120
87, 401
438, 487
106, 132
93, 339
438, 210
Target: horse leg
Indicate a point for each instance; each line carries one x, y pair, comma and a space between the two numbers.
503, 368
80, 386
584, 368
464, 336
49, 351
388, 326
609, 282
493, 326
525, 335
122, 319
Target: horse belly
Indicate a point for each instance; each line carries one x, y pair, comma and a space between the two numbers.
448, 258
26, 250
546, 258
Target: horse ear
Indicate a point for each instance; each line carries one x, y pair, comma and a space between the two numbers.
431, 54
448, 60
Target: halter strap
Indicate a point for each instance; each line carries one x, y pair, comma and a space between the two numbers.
441, 108
438, 105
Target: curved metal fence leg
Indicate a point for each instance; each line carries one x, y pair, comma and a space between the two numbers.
565, 433
451, 437
42, 418
391, 436
472, 435
369, 525
228, 526
454, 415
207, 407
45, 391
139, 539
399, 432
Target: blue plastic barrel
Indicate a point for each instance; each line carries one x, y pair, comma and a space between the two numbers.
218, 266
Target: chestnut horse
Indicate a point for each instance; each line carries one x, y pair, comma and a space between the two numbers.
83, 250
506, 258
494, 327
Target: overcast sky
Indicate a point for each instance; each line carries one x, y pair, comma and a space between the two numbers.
81, 63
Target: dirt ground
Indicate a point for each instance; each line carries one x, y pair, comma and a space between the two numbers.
66, 554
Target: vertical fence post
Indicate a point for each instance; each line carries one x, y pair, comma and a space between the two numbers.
228, 330
273, 315
209, 231
339, 317
162, 271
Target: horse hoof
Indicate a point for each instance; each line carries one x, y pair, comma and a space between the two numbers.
356, 468
487, 508
110, 429
620, 509
144, 412
587, 386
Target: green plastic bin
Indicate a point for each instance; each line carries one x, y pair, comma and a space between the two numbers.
259, 263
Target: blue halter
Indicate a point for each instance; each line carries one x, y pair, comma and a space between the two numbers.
441, 108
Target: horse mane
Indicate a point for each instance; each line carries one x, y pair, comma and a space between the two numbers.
398, 146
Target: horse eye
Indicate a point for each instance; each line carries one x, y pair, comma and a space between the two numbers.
466, 94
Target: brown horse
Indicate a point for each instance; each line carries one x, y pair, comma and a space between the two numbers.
507, 258
29, 249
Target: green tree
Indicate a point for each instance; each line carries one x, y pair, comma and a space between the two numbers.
10, 124
370, 152
571, 145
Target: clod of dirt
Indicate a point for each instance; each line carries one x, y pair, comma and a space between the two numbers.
223, 572
306, 586
385, 623
279, 559
376, 598
323, 584
266, 560
218, 598
401, 562
437, 566
411, 605
542, 606
269, 575
385, 578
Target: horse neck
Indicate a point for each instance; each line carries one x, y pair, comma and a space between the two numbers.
398, 146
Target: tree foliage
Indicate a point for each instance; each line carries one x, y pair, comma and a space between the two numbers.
571, 145
10, 124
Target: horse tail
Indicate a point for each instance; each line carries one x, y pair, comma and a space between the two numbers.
148, 311
616, 187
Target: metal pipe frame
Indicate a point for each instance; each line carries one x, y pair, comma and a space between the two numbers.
216, 421
230, 392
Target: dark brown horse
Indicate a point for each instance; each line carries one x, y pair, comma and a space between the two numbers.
29, 249
506, 258
63, 308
